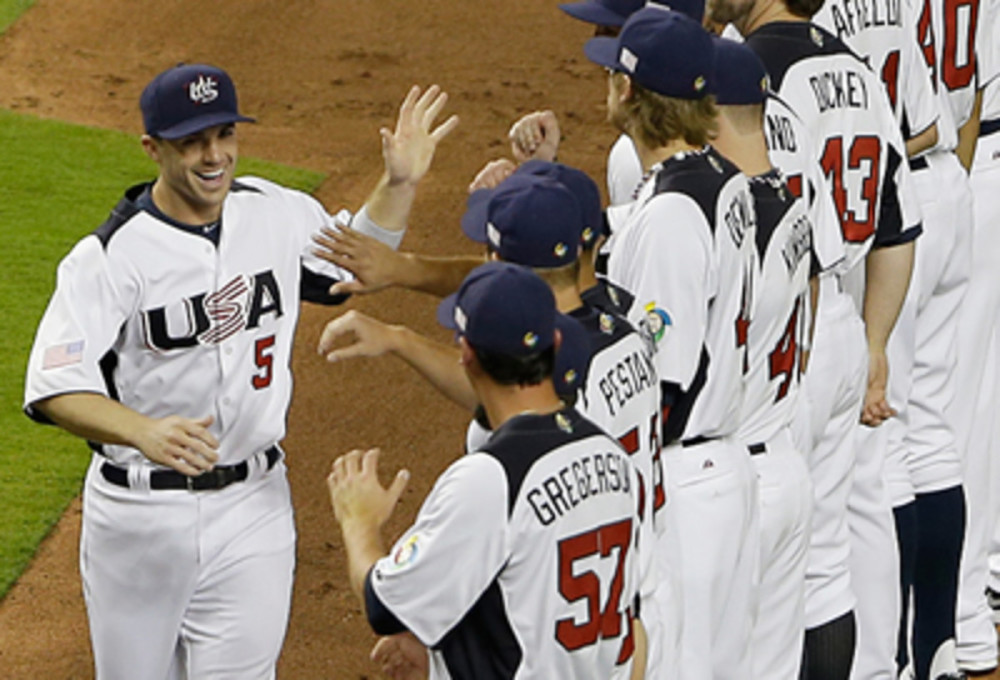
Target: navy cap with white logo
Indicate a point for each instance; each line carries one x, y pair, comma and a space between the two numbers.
583, 188
527, 219
503, 308
740, 76
664, 51
188, 98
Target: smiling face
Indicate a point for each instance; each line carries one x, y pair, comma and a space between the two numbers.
196, 173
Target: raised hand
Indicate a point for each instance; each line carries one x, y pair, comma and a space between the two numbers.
356, 493
535, 135
409, 149
370, 337
184, 444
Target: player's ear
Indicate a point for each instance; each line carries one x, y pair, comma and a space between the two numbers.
466, 355
151, 147
557, 340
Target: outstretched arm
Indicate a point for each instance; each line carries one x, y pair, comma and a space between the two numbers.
377, 266
408, 151
368, 337
184, 444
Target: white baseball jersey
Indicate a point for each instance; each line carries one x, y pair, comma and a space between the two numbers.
948, 33
856, 138
790, 149
685, 253
775, 334
171, 321
522, 561
882, 33
624, 172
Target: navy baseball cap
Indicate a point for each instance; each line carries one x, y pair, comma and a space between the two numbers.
572, 357
662, 50
188, 98
583, 188
528, 219
740, 76
602, 12
503, 308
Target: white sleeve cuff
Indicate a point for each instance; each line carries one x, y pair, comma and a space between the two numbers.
363, 224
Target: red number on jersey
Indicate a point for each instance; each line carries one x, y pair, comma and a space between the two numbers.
743, 320
890, 76
659, 495
600, 624
785, 354
925, 38
959, 14
264, 361
858, 172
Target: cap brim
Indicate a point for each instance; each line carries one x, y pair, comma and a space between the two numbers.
603, 51
446, 312
199, 123
593, 13
475, 217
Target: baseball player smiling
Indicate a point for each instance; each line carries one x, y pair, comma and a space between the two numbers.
167, 345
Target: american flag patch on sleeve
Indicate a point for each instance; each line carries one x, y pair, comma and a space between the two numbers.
62, 355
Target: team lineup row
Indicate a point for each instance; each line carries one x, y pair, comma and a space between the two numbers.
666, 475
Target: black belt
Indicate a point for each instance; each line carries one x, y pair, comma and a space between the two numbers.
988, 127
218, 477
757, 449
918, 163
695, 441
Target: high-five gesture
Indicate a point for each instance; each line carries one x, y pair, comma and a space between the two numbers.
409, 149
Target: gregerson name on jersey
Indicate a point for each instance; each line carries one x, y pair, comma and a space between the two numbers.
585, 477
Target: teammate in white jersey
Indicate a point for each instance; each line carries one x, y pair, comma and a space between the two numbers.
532, 220
859, 147
542, 519
167, 345
923, 464
684, 252
775, 338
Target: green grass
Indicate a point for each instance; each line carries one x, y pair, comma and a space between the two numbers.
10, 10
57, 183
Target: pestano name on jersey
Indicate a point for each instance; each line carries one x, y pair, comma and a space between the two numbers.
628, 377
850, 17
780, 133
798, 244
739, 217
839, 90
586, 477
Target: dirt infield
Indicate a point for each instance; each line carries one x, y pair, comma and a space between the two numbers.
321, 76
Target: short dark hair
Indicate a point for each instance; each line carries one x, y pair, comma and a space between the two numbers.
508, 370
804, 8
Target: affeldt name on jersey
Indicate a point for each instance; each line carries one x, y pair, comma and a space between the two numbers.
210, 318
584, 478
839, 90
852, 16
627, 378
